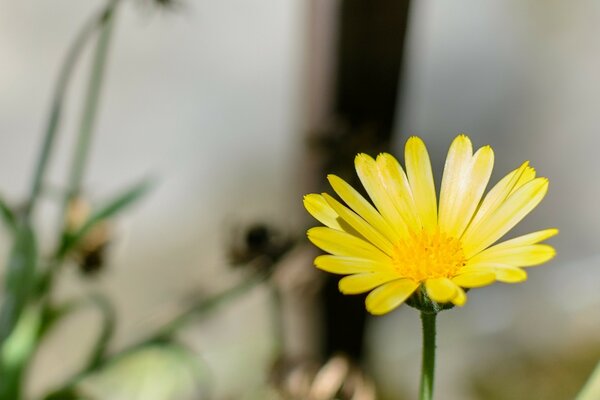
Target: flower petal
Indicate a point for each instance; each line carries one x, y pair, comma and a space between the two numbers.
440, 290
510, 274
474, 279
361, 283
530, 238
465, 179
418, 170
367, 171
389, 296
497, 195
344, 244
504, 273
513, 210
395, 182
360, 225
456, 169
349, 265
518, 256
461, 297
316, 205
527, 176
362, 207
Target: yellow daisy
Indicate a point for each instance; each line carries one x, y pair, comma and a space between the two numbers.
403, 240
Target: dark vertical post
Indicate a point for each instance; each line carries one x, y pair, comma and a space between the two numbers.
370, 50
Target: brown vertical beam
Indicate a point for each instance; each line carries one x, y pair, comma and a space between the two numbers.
355, 52
370, 50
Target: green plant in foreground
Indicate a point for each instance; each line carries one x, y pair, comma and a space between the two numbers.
28, 310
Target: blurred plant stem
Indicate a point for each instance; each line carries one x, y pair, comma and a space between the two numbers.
20, 289
277, 320
84, 136
90, 109
428, 362
64, 78
163, 334
591, 389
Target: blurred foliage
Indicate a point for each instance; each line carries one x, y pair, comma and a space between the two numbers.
544, 376
155, 372
591, 390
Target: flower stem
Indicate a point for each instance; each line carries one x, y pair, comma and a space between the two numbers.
428, 366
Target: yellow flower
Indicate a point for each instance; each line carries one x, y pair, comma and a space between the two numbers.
402, 239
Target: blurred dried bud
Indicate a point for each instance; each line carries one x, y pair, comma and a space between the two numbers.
337, 379
258, 241
90, 251
168, 5
78, 211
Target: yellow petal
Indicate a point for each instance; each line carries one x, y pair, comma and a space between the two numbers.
497, 195
316, 205
463, 185
361, 206
360, 225
530, 238
389, 296
510, 274
461, 297
361, 283
520, 256
527, 175
395, 182
504, 273
350, 265
418, 170
440, 290
456, 169
344, 244
367, 171
474, 279
510, 212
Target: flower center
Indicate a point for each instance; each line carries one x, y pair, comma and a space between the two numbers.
428, 255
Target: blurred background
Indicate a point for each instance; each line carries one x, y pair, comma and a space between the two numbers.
237, 108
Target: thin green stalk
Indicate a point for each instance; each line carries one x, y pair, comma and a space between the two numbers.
23, 259
64, 77
428, 363
105, 21
203, 306
90, 108
164, 333
277, 319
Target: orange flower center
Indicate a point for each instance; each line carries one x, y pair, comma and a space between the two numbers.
428, 255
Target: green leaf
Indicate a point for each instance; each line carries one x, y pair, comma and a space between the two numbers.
8, 216
591, 390
110, 209
155, 372
109, 320
16, 351
19, 279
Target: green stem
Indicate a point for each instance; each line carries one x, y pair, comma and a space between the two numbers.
105, 21
202, 306
163, 333
90, 107
277, 319
428, 365
64, 77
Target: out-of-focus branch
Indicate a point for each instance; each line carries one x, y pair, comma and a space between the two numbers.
90, 108
64, 78
165, 332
